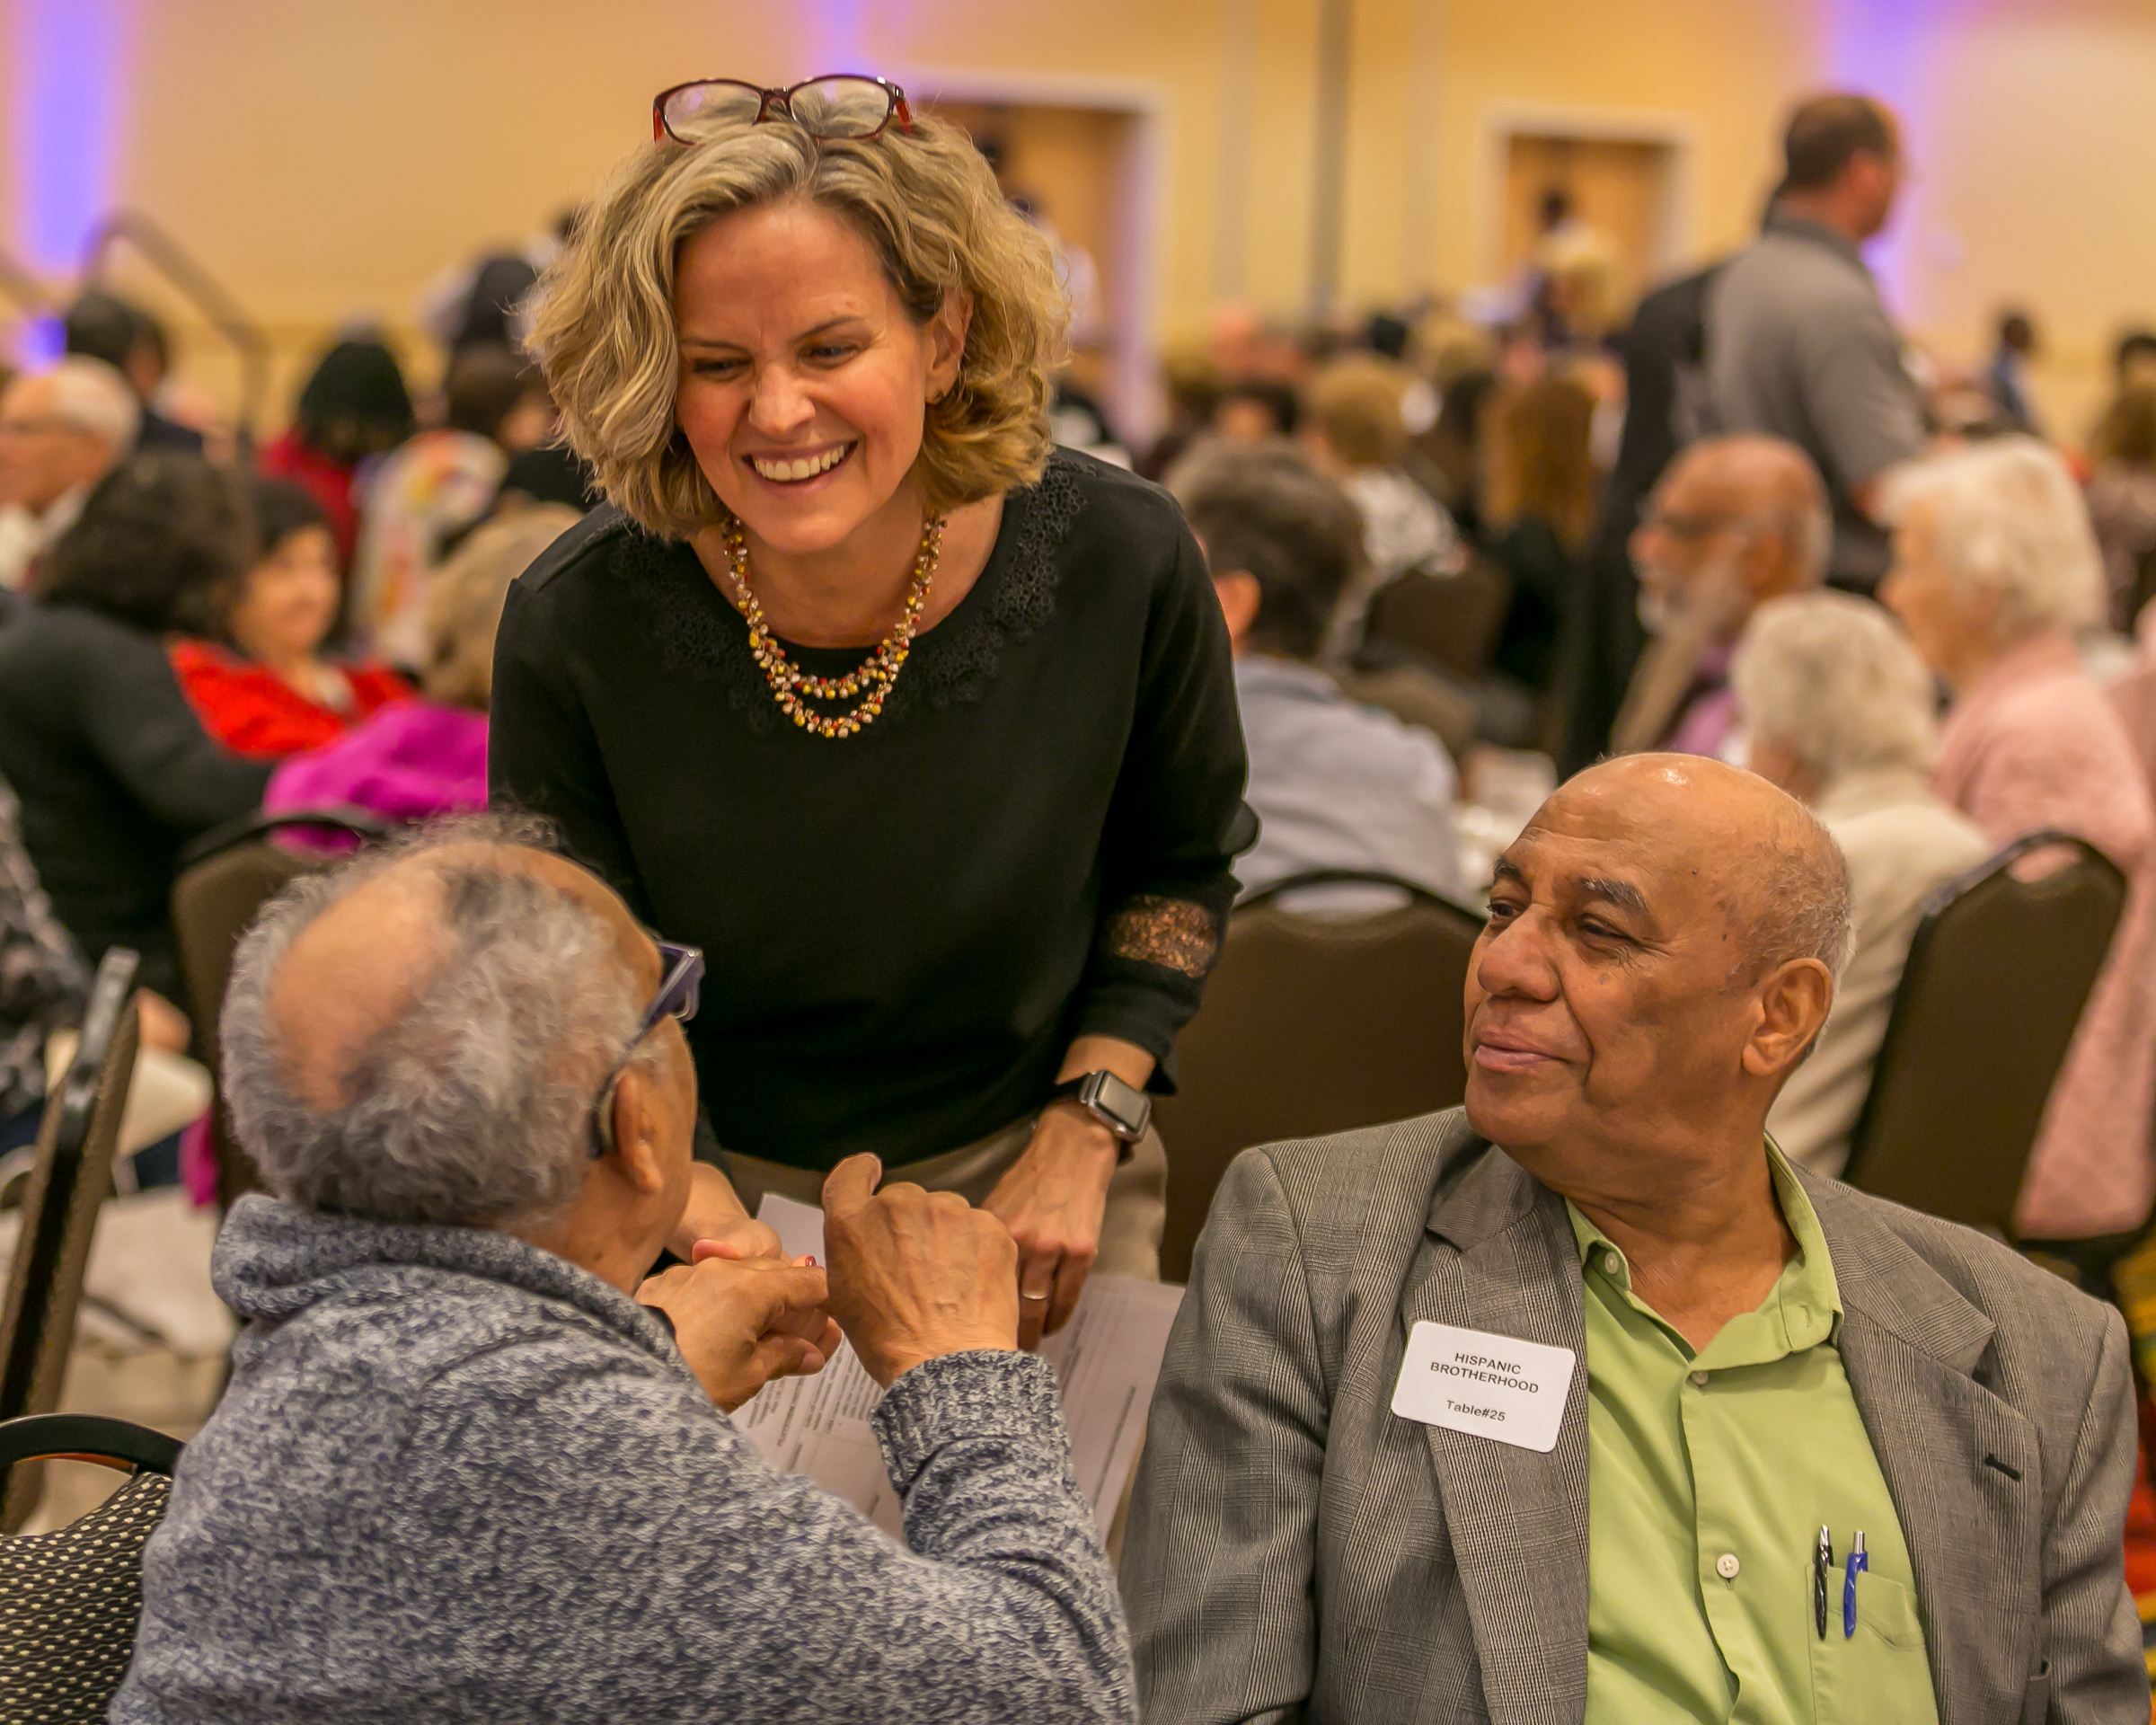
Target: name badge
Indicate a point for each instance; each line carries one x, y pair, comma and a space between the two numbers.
1484, 1384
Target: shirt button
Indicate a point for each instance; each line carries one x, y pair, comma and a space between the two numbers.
1610, 1263
1726, 1566
1699, 1380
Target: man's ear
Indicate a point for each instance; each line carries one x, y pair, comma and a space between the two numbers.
947, 341
633, 1145
1240, 598
1793, 1004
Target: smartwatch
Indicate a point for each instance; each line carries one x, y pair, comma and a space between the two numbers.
1123, 1109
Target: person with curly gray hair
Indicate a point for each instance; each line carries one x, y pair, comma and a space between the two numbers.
472, 1465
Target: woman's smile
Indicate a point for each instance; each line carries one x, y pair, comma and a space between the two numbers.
794, 472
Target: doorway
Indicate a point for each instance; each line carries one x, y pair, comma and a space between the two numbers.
1611, 191
1081, 172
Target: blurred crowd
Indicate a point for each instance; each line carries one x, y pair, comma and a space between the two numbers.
1463, 547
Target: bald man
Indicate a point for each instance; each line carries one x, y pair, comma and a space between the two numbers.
473, 1465
1580, 1403
1734, 522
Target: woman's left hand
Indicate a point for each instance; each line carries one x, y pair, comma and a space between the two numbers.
1052, 1199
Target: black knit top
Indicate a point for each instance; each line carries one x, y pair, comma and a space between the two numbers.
905, 929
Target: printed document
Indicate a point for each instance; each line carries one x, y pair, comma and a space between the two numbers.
1107, 1359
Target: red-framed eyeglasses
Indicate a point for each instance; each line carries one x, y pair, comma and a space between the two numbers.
837, 105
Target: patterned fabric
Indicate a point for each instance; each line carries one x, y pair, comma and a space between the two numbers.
456, 1478
1298, 1551
69, 1600
2034, 743
437, 483
43, 982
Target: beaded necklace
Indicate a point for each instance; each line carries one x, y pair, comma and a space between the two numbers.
794, 689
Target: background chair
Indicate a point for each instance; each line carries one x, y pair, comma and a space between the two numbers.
1999, 971
1451, 620
1310, 1025
226, 878
1447, 709
76, 1142
71, 1599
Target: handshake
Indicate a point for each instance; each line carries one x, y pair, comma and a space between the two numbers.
911, 1275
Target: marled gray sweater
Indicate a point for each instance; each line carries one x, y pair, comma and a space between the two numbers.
456, 1478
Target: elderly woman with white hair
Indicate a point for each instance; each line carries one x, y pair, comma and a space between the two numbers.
1838, 710
1996, 570
61, 430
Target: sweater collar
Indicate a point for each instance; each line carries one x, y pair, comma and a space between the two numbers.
275, 1261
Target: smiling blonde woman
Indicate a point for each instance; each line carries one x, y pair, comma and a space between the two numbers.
923, 729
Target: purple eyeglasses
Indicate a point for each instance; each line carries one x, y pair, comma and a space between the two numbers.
680, 985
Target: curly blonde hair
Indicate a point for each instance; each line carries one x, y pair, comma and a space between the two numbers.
928, 204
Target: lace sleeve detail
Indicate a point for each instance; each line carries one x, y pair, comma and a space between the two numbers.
1177, 934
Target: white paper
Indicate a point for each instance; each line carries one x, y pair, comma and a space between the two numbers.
1106, 1360
1489, 1385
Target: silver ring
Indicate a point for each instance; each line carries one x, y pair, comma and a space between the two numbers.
1024, 1296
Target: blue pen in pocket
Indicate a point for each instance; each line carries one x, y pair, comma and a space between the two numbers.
1857, 1561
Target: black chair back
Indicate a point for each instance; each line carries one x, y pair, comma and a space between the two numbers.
76, 1142
1999, 969
71, 1599
1314, 1024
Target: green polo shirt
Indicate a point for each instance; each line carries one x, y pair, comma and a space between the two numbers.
1708, 1477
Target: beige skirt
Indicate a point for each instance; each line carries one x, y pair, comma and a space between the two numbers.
1130, 1229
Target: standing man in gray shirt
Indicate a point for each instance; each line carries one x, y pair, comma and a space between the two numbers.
1799, 343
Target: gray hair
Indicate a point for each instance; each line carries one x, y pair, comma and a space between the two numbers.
1805, 911
1830, 677
91, 397
2007, 519
473, 1104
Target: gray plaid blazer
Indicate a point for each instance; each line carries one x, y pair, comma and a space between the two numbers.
1296, 1552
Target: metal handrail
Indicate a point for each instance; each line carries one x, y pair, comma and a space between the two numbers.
24, 288
219, 308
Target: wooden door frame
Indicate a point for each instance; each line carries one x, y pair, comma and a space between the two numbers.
1131, 386
1501, 122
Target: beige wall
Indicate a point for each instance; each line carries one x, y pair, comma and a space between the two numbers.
326, 159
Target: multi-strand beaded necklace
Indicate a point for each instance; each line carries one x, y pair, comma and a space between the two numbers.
794, 689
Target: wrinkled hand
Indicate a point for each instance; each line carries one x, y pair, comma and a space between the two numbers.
915, 1275
1052, 1199
741, 1324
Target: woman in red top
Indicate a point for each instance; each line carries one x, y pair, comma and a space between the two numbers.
267, 689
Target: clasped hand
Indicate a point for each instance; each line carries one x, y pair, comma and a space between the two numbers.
913, 1275
742, 1320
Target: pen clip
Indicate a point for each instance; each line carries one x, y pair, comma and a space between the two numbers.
1858, 1562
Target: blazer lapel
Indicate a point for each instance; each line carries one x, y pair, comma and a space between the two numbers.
1962, 1466
1502, 1259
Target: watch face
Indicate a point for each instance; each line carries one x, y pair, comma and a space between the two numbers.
1127, 1106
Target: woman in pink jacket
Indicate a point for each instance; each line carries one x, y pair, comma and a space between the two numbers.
1996, 568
